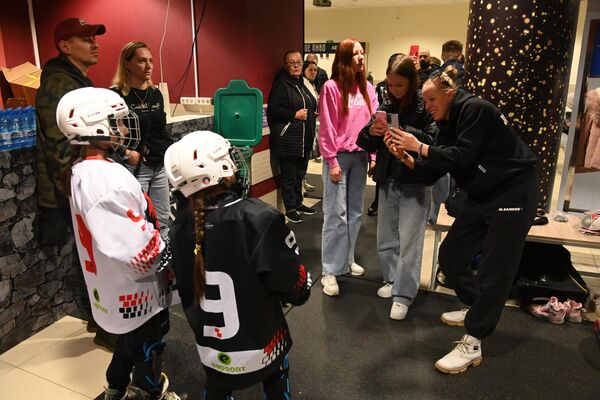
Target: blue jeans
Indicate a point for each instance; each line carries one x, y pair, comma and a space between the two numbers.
401, 220
154, 181
342, 212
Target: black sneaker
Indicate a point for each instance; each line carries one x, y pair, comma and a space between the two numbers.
293, 217
372, 210
306, 210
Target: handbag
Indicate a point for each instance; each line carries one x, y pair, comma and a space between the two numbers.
456, 201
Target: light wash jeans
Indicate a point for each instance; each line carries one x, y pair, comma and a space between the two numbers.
342, 212
155, 178
401, 220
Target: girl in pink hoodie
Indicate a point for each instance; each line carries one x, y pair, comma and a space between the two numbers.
346, 104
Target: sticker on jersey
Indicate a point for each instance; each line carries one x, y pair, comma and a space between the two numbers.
226, 305
134, 305
243, 362
290, 241
224, 358
96, 302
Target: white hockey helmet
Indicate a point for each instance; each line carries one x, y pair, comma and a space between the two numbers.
590, 223
88, 114
198, 161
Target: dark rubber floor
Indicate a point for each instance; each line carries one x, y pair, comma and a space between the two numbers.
348, 348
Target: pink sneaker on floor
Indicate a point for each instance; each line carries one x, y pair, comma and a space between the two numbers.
575, 311
553, 311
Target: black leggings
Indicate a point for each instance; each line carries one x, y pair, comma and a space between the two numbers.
140, 351
276, 386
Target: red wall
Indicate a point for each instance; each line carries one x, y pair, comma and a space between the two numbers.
238, 39
246, 39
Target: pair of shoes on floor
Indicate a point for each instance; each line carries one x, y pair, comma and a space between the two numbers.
294, 217
307, 186
372, 210
385, 292
466, 353
557, 312
398, 311
139, 394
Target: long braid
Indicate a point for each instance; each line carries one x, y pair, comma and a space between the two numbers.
198, 201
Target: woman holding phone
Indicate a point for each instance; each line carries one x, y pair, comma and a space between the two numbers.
497, 170
403, 196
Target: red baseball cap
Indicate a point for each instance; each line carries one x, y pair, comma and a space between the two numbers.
76, 27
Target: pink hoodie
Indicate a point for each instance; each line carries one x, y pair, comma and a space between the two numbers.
337, 132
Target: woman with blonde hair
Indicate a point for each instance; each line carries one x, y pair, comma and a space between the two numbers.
133, 82
346, 104
487, 159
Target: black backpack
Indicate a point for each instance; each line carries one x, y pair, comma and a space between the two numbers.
546, 270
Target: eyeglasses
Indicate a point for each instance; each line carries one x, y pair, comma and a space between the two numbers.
294, 63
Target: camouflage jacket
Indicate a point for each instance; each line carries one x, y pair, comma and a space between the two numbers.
59, 76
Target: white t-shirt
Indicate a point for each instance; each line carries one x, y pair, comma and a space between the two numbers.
119, 250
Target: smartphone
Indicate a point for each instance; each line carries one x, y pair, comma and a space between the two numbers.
414, 50
394, 121
381, 116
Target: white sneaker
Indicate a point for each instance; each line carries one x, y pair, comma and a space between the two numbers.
385, 292
466, 353
330, 285
356, 269
398, 311
455, 318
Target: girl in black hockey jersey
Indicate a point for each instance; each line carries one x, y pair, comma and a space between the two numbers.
119, 245
236, 262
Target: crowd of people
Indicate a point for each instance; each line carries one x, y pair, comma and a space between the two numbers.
106, 163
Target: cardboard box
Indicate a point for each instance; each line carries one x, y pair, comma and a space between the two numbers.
24, 81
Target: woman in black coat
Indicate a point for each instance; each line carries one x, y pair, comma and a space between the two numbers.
291, 116
497, 170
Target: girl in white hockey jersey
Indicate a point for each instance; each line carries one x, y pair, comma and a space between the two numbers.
120, 249
236, 262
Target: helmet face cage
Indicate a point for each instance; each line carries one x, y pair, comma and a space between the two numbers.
125, 131
244, 174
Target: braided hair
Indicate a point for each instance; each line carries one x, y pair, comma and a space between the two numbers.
199, 200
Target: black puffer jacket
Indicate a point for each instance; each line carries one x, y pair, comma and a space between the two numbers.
414, 119
290, 137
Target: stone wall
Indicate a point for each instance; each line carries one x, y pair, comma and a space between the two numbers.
32, 279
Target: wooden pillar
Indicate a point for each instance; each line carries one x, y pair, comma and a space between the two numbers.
518, 56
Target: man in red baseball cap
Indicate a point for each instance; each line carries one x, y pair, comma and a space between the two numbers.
75, 40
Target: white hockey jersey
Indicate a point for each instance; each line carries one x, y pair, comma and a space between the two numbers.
119, 249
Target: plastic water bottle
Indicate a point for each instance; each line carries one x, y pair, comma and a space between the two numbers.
32, 126
15, 128
26, 129
5, 138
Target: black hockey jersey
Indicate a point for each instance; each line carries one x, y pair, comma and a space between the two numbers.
252, 265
